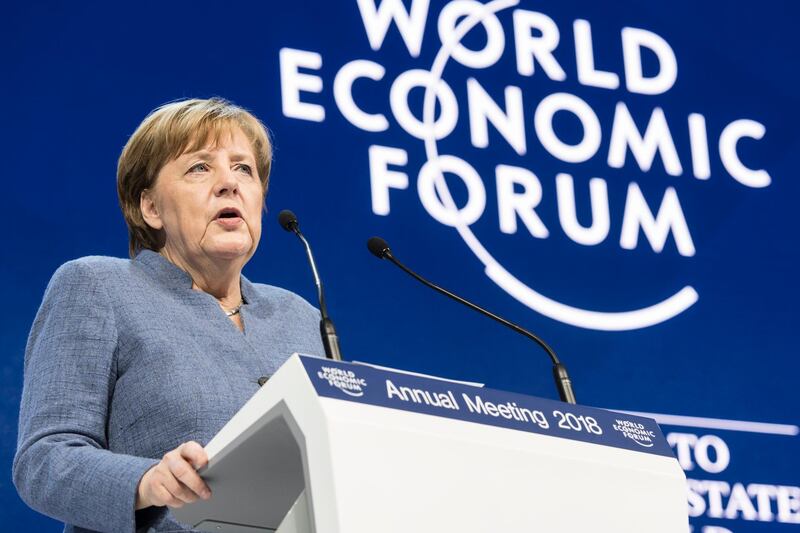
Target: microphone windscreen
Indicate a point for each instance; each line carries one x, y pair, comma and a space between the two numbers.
287, 220
378, 247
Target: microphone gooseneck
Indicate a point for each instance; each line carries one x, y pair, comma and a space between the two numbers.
330, 340
380, 249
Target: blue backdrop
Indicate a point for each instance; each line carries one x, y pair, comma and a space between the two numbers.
671, 290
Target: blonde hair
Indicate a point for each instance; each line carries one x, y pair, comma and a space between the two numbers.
166, 133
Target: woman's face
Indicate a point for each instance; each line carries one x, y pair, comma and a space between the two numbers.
209, 202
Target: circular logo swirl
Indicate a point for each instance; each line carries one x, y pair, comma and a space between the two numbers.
437, 164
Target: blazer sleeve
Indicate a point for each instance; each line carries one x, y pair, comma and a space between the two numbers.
62, 467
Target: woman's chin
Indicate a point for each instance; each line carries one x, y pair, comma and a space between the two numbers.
230, 249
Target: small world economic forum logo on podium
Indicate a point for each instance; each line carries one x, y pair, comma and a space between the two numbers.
344, 380
635, 431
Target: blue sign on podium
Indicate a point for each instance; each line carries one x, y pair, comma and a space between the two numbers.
450, 399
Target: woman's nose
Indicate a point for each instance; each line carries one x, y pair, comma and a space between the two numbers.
226, 183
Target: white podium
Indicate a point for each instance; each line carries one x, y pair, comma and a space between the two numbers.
365, 450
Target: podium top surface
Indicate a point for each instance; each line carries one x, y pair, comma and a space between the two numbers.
380, 387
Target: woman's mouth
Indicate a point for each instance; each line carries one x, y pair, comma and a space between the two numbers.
229, 218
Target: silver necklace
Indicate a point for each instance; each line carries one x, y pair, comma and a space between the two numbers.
235, 310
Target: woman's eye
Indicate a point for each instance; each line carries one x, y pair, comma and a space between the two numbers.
199, 167
246, 169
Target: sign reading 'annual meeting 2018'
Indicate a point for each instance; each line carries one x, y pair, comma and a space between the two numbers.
532, 37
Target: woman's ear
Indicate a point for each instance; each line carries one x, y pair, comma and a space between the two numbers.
147, 206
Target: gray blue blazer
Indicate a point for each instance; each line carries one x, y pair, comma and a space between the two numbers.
124, 363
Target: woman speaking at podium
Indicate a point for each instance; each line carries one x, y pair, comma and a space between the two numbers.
132, 365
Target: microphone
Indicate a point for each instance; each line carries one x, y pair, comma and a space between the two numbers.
330, 340
380, 249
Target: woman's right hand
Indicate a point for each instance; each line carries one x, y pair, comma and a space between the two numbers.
174, 480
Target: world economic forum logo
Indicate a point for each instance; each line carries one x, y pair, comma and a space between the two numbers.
636, 432
531, 38
344, 380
